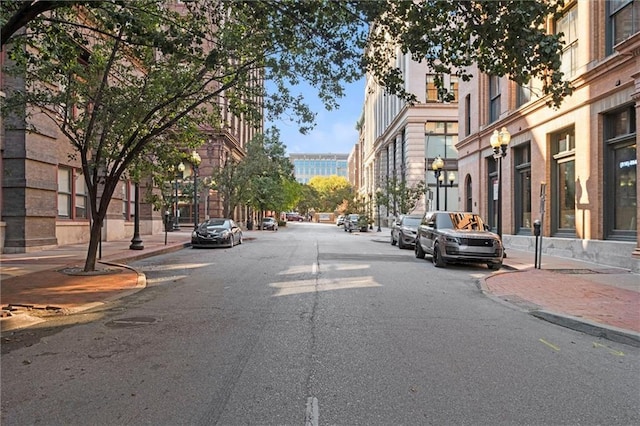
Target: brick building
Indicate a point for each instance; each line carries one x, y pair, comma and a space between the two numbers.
579, 160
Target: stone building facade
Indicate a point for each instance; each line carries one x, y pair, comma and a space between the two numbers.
399, 142
574, 168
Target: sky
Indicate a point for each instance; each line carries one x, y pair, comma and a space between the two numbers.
335, 131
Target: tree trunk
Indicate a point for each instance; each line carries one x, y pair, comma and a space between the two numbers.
94, 242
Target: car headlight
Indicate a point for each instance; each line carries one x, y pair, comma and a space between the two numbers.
455, 240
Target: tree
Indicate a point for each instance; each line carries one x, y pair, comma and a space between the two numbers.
116, 76
309, 200
268, 172
331, 191
399, 197
232, 185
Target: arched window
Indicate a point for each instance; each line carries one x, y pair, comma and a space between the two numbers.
468, 205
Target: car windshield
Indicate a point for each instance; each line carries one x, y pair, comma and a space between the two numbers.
411, 221
216, 224
460, 221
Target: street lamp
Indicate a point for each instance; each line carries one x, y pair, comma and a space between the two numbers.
195, 161
450, 178
176, 224
499, 141
136, 241
437, 166
378, 196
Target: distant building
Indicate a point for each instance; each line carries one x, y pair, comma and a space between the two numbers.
306, 166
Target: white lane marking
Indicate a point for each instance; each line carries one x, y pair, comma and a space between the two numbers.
314, 268
311, 415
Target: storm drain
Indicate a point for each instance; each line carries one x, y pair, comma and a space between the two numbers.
131, 322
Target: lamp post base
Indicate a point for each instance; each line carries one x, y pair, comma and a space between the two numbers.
136, 243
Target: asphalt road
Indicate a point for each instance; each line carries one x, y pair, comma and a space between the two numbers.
311, 325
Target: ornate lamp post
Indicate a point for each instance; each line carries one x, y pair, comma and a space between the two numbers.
136, 241
437, 166
195, 161
450, 178
378, 196
499, 141
176, 224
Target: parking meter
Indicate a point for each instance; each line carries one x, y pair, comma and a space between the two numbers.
166, 225
536, 227
536, 231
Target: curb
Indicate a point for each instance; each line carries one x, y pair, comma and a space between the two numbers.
144, 255
614, 334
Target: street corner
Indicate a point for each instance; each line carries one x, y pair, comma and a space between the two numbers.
15, 318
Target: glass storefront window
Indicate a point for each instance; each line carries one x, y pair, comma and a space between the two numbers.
567, 195
625, 181
621, 194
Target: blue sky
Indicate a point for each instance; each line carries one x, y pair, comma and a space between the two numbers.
335, 131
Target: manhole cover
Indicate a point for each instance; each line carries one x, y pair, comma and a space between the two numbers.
131, 322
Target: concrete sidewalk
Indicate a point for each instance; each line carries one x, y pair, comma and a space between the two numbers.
591, 298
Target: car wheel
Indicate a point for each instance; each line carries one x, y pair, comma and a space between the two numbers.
401, 245
494, 266
418, 251
436, 257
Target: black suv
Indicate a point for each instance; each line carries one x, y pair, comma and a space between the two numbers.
458, 237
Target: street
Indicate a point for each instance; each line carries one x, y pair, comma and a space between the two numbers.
310, 325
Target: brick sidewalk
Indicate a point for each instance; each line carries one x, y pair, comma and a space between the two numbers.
570, 294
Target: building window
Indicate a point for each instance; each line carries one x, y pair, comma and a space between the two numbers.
128, 200
522, 156
469, 194
568, 25
624, 21
621, 178
433, 94
494, 98
64, 192
80, 205
467, 115
441, 138
72, 194
564, 182
453, 88
523, 94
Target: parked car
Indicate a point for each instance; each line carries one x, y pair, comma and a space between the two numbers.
340, 220
355, 222
269, 223
458, 237
216, 232
404, 231
295, 217
351, 222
